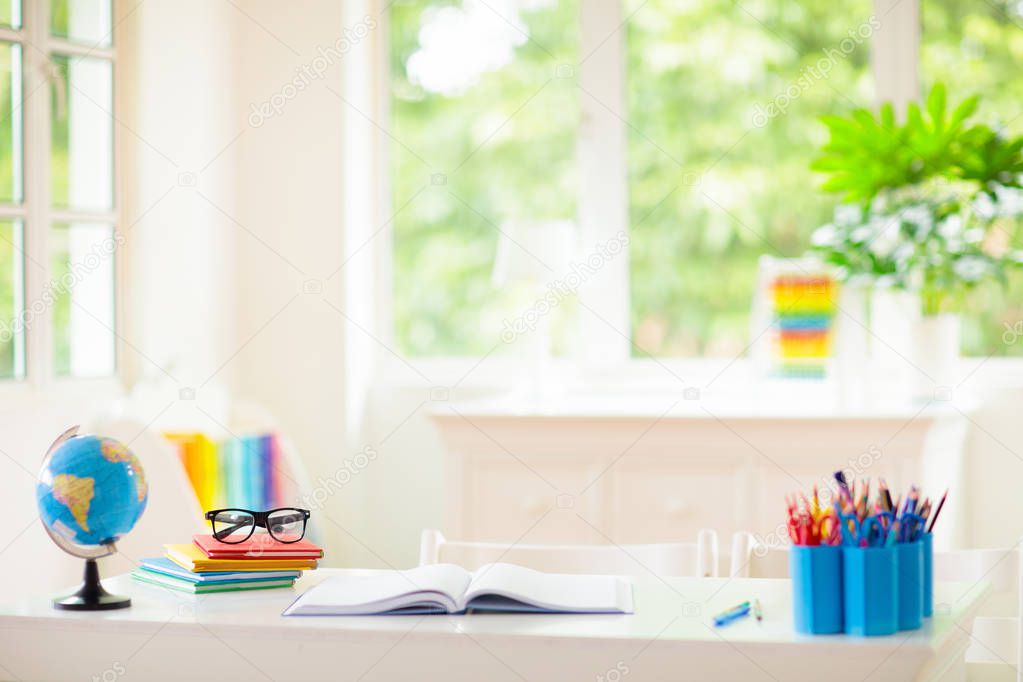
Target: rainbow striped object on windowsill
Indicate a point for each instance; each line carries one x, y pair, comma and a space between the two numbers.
803, 311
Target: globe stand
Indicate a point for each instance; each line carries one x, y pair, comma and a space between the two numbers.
91, 596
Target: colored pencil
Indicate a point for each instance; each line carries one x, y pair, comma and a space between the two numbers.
937, 511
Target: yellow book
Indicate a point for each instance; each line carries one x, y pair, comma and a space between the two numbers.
192, 558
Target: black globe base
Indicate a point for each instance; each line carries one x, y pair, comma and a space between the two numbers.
91, 596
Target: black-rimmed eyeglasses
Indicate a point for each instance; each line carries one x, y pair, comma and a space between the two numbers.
232, 526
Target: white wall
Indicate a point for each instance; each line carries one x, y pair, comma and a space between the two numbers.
231, 282
994, 465
289, 169
177, 95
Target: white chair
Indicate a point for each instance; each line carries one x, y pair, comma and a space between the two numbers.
698, 558
751, 558
995, 648
996, 641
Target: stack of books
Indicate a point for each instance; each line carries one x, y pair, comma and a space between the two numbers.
207, 565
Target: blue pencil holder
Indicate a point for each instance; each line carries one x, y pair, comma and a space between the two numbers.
871, 579
816, 574
911, 584
928, 542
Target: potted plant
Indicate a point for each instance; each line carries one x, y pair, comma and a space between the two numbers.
922, 200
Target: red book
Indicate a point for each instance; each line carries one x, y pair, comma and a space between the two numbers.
260, 546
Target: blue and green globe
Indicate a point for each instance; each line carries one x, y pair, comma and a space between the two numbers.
91, 490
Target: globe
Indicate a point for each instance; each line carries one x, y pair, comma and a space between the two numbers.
91, 490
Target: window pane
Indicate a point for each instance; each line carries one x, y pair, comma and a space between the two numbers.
485, 110
84, 21
12, 299
977, 48
10, 13
82, 289
82, 133
723, 106
10, 124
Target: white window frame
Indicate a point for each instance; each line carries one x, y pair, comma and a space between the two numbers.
37, 214
606, 357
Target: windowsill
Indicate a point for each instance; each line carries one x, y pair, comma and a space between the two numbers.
695, 389
641, 376
668, 407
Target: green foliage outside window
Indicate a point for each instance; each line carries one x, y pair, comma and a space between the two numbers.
466, 162
722, 104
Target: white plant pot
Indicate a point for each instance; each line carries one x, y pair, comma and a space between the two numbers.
936, 343
852, 346
893, 317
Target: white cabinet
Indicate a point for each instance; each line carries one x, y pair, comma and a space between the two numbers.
572, 477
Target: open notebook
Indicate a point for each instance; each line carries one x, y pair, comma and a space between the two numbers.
446, 588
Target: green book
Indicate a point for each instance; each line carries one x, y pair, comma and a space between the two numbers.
199, 588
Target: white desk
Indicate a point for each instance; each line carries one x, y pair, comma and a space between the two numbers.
241, 636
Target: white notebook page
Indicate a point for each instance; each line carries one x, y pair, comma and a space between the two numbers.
347, 593
553, 591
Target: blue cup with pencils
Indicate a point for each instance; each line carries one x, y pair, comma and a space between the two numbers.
910, 548
815, 566
911, 584
928, 543
816, 573
883, 581
871, 590
870, 563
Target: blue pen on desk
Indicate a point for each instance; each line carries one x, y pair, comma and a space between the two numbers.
732, 614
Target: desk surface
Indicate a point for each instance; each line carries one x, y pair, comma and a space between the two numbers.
168, 635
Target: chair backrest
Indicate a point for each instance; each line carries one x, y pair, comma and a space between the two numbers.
1000, 567
698, 558
994, 639
751, 558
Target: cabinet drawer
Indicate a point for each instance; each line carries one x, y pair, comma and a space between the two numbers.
507, 501
654, 501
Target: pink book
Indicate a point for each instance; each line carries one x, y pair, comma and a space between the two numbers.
260, 546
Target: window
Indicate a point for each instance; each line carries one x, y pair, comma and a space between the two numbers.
57, 204
723, 102
511, 111
484, 126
